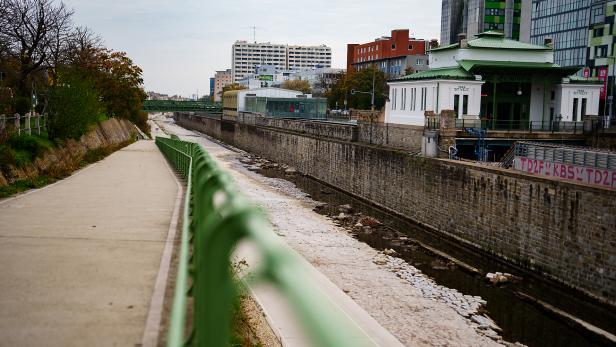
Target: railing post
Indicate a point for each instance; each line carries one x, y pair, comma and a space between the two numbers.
27, 124
17, 124
37, 123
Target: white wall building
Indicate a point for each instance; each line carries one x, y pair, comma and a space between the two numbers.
265, 92
245, 57
508, 84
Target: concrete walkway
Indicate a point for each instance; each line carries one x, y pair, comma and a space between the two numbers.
79, 259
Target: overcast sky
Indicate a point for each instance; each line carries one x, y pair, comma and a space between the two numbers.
179, 44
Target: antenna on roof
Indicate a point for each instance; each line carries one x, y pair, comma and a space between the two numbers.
254, 33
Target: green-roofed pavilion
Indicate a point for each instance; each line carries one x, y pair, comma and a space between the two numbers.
493, 78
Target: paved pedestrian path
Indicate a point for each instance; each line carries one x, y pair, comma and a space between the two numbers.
79, 259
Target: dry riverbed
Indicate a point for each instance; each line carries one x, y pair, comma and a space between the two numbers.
406, 302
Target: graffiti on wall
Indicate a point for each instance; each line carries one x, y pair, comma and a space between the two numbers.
580, 174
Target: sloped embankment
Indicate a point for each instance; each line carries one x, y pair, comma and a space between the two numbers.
60, 161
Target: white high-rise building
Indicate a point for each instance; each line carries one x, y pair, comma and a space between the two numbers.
247, 56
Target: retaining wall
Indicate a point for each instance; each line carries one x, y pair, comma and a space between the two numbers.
566, 231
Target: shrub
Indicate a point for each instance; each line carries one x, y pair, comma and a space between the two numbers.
73, 107
30, 143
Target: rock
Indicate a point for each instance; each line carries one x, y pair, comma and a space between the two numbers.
345, 208
290, 170
369, 221
358, 225
389, 251
325, 191
342, 217
500, 278
320, 205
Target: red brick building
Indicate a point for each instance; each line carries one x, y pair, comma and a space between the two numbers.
393, 55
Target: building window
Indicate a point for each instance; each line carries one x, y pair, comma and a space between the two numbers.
575, 109
583, 112
410, 47
464, 104
601, 51
393, 46
403, 105
597, 32
456, 103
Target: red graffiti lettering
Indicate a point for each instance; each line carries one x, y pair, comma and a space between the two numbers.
606, 176
523, 163
541, 166
571, 172
589, 175
555, 172
548, 168
563, 171
598, 177
580, 174
613, 178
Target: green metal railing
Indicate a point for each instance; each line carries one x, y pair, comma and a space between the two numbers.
181, 106
216, 217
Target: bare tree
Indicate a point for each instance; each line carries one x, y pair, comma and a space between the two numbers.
82, 44
33, 34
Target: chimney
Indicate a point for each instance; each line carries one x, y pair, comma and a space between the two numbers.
462, 40
548, 42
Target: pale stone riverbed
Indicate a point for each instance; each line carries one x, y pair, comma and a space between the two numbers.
409, 304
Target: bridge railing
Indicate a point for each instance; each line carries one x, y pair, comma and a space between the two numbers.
216, 217
181, 106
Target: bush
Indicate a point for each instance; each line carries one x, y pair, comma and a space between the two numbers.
73, 107
30, 143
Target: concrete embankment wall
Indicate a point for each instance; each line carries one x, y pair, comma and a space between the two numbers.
64, 159
563, 230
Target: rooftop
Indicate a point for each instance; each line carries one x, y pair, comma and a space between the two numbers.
495, 40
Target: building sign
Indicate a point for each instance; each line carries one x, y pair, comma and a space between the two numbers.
602, 76
566, 172
586, 72
266, 78
580, 92
461, 89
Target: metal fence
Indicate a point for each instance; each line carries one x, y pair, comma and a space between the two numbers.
571, 155
216, 217
434, 123
27, 124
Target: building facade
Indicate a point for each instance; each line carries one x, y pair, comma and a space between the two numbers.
246, 57
504, 83
268, 76
393, 55
471, 17
600, 55
566, 23
221, 80
212, 85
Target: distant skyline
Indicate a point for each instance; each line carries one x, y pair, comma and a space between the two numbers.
179, 46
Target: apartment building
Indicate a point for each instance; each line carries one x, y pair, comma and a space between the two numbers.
393, 55
246, 57
221, 79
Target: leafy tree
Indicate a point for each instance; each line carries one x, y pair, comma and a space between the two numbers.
360, 81
299, 85
73, 106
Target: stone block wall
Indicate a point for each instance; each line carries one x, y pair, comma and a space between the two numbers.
345, 132
563, 230
400, 136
